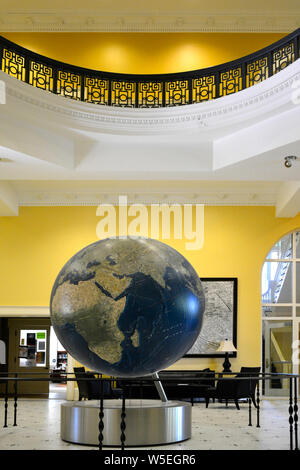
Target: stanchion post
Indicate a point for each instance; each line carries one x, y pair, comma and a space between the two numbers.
249, 403
101, 416
258, 404
123, 424
15, 399
291, 409
296, 413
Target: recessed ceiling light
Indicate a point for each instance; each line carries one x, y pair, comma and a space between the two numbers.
5, 160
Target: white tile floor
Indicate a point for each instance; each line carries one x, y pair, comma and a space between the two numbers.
215, 428
57, 391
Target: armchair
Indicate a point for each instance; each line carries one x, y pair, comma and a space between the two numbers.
91, 389
235, 389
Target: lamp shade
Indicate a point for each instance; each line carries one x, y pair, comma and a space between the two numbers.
226, 346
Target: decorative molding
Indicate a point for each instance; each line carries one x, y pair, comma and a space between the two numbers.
204, 201
216, 131
93, 193
259, 99
148, 91
24, 311
85, 20
252, 195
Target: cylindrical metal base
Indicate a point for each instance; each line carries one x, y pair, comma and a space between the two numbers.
148, 422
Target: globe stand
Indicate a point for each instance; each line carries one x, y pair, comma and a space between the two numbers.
160, 388
148, 422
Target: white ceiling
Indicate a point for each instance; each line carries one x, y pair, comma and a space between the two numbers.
226, 151
134, 15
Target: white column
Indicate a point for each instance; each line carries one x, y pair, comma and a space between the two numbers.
71, 391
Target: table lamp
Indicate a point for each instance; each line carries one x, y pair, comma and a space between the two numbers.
226, 347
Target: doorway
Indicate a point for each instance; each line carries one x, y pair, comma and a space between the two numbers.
278, 355
29, 354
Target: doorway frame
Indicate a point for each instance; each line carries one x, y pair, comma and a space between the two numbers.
15, 325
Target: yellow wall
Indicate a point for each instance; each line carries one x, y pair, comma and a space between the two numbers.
144, 52
35, 245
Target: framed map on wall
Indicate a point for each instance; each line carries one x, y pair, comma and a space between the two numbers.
220, 317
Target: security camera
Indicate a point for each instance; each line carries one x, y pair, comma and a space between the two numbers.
288, 161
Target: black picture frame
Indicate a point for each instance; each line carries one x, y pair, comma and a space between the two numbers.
233, 311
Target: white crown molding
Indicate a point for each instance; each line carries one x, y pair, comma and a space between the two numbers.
216, 199
152, 192
84, 20
24, 311
254, 102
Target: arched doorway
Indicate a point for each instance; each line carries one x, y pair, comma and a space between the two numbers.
281, 312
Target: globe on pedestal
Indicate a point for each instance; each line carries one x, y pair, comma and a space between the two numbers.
127, 307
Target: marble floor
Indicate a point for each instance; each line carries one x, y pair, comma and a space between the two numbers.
57, 391
215, 428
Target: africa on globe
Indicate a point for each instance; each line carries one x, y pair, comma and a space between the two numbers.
127, 307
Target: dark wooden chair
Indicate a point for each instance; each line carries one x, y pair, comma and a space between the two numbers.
93, 389
235, 388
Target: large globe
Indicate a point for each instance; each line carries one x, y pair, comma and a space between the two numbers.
127, 307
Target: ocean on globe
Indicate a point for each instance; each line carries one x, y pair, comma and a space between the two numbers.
127, 307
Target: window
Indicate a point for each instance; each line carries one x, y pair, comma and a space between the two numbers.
280, 289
